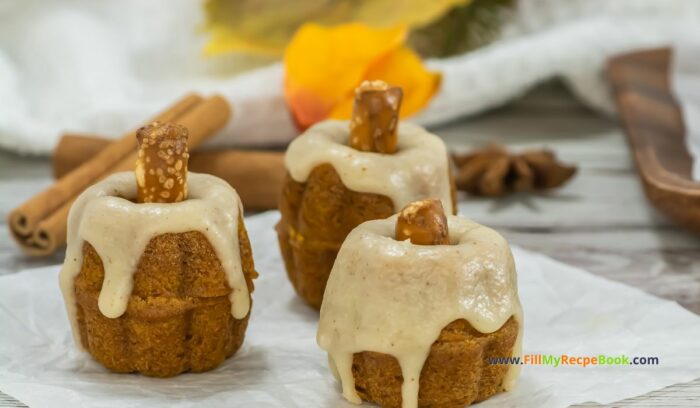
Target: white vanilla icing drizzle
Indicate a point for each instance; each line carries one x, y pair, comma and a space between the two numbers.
120, 230
394, 297
418, 170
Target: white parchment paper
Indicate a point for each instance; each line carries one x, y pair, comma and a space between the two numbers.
567, 310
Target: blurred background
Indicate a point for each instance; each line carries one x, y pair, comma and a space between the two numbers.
103, 67
521, 76
524, 76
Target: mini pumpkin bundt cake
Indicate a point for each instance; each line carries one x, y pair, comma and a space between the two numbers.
340, 174
416, 305
159, 269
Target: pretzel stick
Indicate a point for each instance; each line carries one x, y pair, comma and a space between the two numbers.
424, 223
161, 166
375, 117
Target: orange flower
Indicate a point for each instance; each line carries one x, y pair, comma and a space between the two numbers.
323, 65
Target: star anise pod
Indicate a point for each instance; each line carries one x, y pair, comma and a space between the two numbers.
494, 171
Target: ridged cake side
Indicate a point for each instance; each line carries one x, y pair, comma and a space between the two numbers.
456, 373
178, 317
316, 218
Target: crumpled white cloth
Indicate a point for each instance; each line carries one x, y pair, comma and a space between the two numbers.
103, 67
685, 85
567, 310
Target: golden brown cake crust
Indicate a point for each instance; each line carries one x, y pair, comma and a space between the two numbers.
316, 217
456, 372
178, 317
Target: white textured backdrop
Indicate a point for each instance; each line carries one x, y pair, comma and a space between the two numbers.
103, 66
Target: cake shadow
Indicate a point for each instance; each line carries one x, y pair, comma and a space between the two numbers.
246, 369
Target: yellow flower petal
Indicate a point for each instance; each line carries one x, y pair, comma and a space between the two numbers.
323, 65
401, 68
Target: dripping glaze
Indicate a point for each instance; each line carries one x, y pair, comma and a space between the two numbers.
420, 289
418, 169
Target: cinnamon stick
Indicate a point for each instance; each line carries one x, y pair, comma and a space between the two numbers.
24, 219
74, 149
257, 175
39, 225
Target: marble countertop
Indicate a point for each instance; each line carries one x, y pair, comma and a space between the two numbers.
600, 221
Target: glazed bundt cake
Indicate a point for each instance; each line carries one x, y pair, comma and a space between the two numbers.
340, 174
159, 270
415, 307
